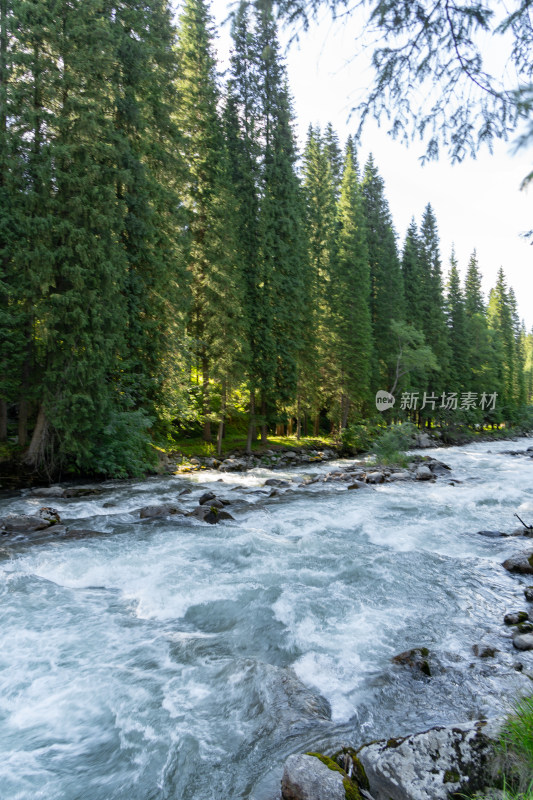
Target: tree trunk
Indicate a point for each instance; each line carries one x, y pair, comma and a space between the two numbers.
222, 419
305, 423
3, 421
298, 418
316, 425
205, 398
264, 429
251, 424
289, 427
36, 455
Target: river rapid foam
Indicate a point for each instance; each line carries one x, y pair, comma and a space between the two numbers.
173, 659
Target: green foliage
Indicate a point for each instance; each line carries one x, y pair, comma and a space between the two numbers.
122, 447
389, 447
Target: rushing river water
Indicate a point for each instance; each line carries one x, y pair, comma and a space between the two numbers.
174, 659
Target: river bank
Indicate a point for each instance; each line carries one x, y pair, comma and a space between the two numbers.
195, 658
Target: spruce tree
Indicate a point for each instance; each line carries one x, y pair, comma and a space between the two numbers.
458, 336
386, 285
212, 257
411, 277
480, 355
503, 334
321, 230
432, 317
352, 302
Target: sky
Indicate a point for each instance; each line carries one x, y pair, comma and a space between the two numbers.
478, 203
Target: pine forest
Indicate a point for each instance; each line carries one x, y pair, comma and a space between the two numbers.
172, 265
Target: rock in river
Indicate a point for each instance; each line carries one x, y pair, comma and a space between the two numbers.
434, 765
524, 641
307, 778
521, 563
423, 474
163, 510
27, 523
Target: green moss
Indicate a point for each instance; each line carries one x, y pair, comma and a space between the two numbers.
358, 773
424, 667
451, 776
329, 762
424, 652
351, 791
394, 742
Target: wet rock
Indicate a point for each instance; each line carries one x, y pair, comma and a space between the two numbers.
423, 440
206, 497
162, 510
434, 765
307, 778
187, 490
423, 474
525, 627
491, 534
27, 523
82, 491
438, 467
417, 659
514, 617
522, 563
357, 485
276, 482
528, 593
232, 465
399, 476
210, 514
375, 477
523, 641
484, 651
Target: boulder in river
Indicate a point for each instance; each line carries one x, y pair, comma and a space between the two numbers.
399, 476
357, 485
375, 477
523, 641
276, 482
305, 777
515, 617
162, 510
417, 659
423, 473
434, 765
209, 513
27, 523
528, 593
82, 491
522, 563
206, 497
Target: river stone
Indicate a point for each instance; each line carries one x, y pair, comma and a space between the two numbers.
492, 534
399, 476
357, 485
206, 497
27, 523
276, 482
82, 491
375, 477
524, 641
521, 563
307, 778
528, 593
162, 510
514, 617
423, 474
417, 659
432, 765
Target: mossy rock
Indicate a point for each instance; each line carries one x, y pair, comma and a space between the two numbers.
347, 758
351, 789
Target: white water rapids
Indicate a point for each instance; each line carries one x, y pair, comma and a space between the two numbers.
171, 659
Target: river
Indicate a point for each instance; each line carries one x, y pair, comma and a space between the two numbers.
171, 659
